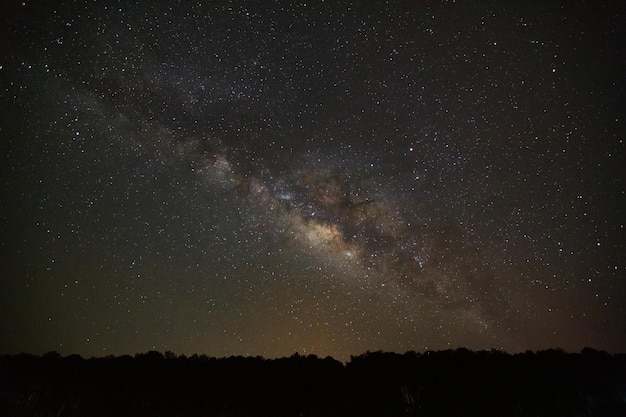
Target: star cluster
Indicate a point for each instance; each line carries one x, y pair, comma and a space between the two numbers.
258, 179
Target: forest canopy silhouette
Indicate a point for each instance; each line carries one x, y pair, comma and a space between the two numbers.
434, 383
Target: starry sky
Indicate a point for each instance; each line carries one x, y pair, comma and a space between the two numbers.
261, 178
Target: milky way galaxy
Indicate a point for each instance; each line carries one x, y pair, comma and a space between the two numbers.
261, 179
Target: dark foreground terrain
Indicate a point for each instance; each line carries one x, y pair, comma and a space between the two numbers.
448, 383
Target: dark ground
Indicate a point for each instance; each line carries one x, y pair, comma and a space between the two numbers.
446, 383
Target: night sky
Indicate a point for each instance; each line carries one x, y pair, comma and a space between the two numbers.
261, 178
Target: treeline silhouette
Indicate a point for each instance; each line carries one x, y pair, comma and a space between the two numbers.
459, 382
